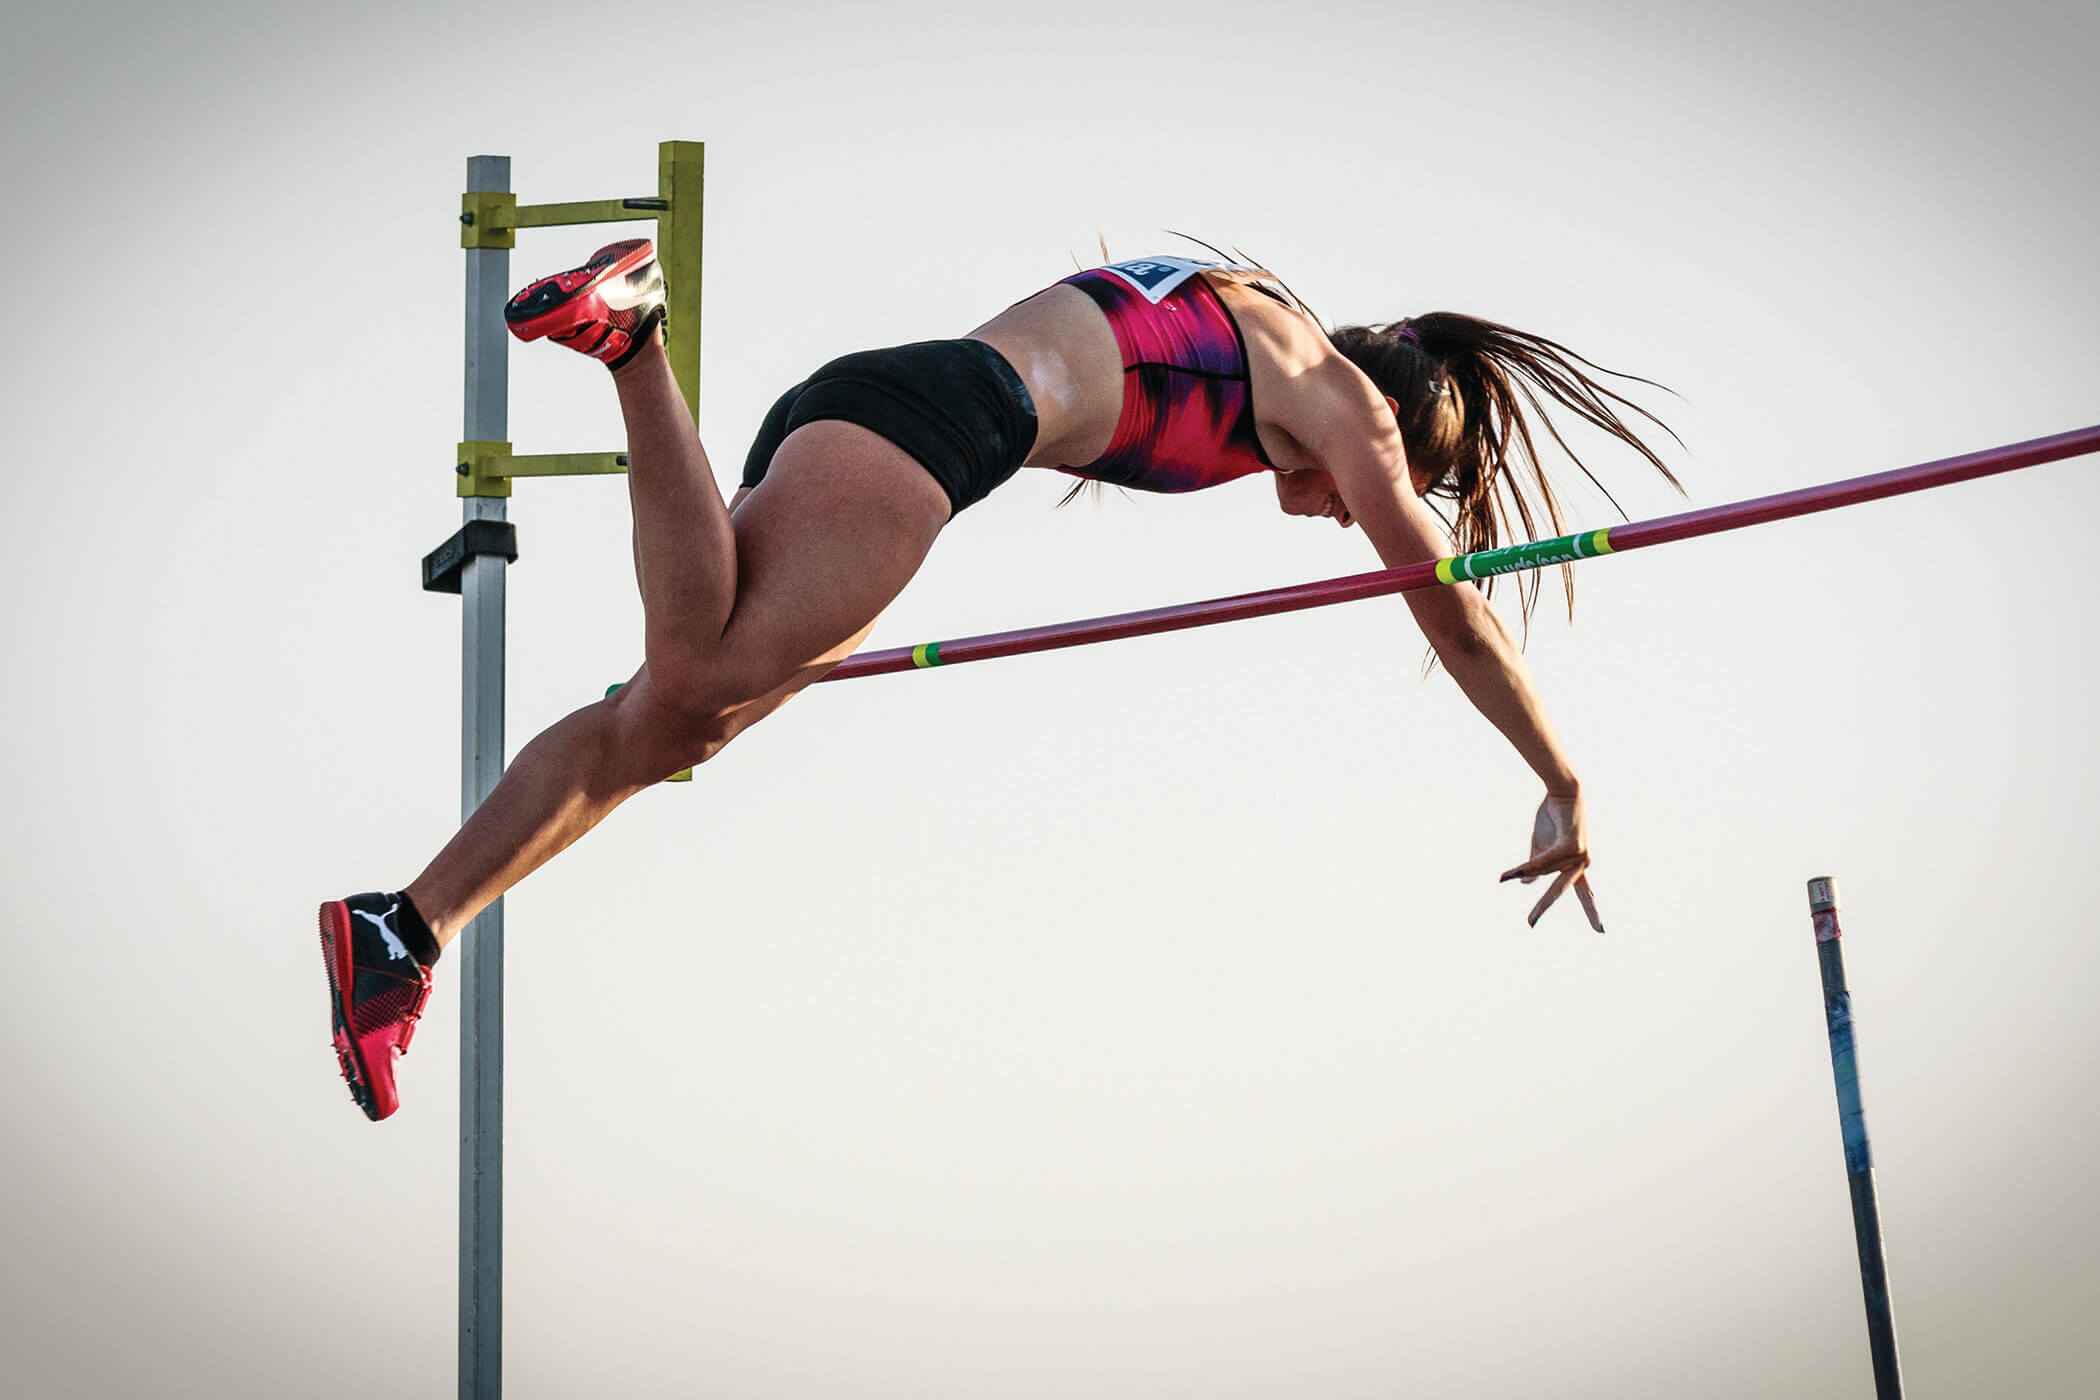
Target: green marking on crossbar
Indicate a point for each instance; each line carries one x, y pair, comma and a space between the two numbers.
1533, 554
926, 654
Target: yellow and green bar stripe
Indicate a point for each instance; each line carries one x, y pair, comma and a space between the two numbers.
1533, 554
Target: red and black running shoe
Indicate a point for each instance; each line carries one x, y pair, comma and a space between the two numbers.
606, 309
377, 988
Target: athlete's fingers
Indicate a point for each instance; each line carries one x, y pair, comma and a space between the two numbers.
1550, 863
1560, 884
1589, 900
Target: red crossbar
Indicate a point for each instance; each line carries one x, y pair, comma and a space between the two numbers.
1712, 521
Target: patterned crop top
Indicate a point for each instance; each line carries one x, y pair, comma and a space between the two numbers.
1188, 416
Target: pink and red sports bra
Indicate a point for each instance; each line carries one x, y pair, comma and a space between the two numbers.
1188, 416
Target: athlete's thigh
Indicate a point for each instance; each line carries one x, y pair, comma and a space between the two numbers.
842, 521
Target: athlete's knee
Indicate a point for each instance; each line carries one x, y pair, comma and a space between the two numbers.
701, 686
658, 735
692, 714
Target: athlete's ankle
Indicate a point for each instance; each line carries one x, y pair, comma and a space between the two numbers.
429, 935
647, 358
416, 934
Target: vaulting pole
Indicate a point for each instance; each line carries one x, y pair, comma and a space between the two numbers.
1852, 1126
1538, 554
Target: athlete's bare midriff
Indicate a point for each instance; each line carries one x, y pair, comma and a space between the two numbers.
1060, 343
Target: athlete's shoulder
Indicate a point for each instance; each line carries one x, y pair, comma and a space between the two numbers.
1302, 384
1276, 327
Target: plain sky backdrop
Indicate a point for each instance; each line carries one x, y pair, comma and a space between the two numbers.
1137, 1021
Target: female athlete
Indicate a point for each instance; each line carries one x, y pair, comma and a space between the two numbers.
1164, 374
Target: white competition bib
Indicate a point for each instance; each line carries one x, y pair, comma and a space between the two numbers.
1155, 277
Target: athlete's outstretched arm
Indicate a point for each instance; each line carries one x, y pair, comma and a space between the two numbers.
1355, 439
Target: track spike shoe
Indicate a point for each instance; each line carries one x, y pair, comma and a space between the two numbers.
607, 309
377, 989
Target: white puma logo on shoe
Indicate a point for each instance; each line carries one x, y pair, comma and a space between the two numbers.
395, 948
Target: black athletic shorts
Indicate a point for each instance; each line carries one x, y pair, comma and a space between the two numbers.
956, 406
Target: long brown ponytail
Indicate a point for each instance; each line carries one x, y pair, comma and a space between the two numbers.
1469, 395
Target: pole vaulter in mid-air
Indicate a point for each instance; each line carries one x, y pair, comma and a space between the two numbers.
1162, 374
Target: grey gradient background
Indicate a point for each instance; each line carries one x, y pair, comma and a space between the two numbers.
1142, 1021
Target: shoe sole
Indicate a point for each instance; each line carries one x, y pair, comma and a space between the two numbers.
335, 953
544, 309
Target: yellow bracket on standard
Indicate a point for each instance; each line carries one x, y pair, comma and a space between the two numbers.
590, 211
487, 468
492, 218
488, 219
681, 186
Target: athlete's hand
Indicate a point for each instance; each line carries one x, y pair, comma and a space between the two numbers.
1560, 848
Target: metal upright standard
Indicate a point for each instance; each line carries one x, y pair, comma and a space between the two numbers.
482, 597
1852, 1124
472, 564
